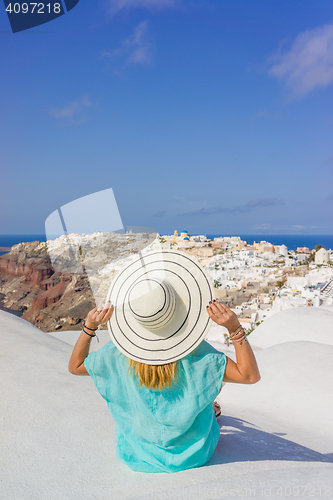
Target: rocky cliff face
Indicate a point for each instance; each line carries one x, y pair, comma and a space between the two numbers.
50, 300
53, 299
29, 260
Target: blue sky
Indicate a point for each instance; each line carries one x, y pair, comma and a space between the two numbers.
214, 116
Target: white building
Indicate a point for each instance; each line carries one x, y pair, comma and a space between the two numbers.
322, 256
283, 250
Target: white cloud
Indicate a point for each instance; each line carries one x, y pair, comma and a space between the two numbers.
72, 113
118, 5
136, 49
263, 202
265, 225
309, 62
267, 115
205, 209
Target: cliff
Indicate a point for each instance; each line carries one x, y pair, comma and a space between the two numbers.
52, 299
49, 300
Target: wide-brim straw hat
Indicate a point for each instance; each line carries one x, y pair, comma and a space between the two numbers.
160, 301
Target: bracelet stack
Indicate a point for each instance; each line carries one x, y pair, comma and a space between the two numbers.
92, 330
238, 335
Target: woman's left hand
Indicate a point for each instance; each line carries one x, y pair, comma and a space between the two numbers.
223, 316
97, 317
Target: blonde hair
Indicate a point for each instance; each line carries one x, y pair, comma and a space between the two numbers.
154, 376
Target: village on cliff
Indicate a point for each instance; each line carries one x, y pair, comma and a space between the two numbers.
54, 284
259, 280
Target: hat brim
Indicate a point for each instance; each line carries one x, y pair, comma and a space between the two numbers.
190, 322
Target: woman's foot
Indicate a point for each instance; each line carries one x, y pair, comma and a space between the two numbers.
217, 409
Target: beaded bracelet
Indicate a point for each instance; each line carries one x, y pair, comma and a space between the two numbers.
234, 334
243, 337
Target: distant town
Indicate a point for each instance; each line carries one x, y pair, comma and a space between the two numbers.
54, 284
262, 279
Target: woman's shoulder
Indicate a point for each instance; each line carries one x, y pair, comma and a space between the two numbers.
203, 349
103, 355
104, 349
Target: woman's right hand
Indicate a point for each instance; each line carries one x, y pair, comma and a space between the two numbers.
223, 316
97, 317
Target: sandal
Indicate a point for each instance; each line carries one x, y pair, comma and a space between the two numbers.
217, 409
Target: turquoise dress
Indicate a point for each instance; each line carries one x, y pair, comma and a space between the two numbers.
165, 430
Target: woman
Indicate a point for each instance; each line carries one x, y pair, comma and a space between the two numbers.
158, 376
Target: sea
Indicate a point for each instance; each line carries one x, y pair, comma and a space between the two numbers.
8, 240
292, 241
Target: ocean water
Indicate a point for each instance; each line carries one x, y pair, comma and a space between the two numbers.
292, 241
8, 240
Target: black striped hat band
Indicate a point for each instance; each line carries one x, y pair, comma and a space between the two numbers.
160, 303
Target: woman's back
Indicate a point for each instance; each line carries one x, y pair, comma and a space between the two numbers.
162, 430
159, 318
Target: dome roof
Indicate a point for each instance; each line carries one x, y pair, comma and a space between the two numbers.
186, 238
183, 231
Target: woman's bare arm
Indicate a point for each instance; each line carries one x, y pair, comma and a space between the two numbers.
245, 370
81, 348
